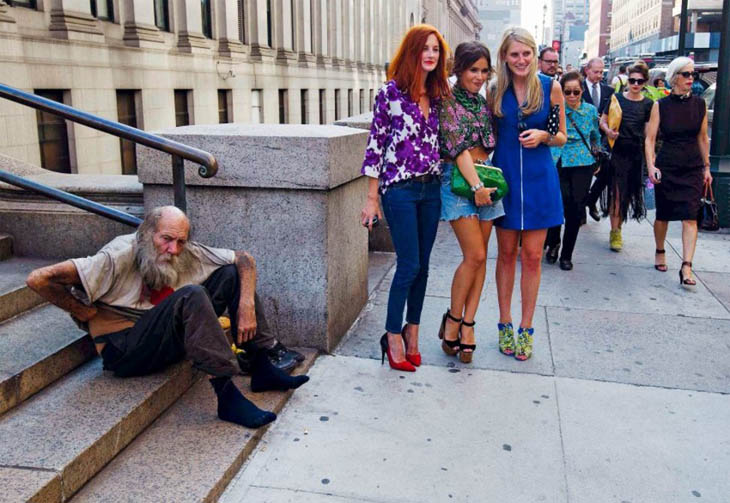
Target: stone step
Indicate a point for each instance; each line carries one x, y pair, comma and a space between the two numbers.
187, 454
6, 246
53, 443
37, 348
15, 297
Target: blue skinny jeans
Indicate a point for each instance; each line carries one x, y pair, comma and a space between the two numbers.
412, 209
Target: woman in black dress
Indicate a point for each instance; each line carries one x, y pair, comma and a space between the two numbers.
682, 167
625, 194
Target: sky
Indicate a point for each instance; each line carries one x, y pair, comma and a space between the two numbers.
532, 15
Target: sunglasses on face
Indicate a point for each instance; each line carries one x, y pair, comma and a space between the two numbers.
574, 92
687, 75
636, 82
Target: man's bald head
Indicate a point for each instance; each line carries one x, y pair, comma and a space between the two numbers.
163, 216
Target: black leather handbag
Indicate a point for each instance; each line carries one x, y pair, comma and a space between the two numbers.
708, 219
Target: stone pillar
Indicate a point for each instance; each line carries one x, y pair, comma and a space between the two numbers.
7, 22
290, 195
259, 40
139, 25
284, 40
334, 29
304, 21
321, 39
190, 31
226, 13
72, 20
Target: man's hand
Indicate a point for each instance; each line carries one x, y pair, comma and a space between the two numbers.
50, 283
246, 323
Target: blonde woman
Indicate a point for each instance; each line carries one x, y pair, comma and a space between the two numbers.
522, 102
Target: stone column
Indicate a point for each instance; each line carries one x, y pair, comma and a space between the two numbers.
334, 29
321, 39
7, 22
283, 40
290, 195
72, 20
259, 40
304, 22
226, 13
139, 25
190, 36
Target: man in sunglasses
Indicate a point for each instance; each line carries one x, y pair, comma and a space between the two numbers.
599, 95
548, 62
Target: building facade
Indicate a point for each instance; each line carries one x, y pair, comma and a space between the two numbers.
495, 16
598, 34
157, 64
636, 26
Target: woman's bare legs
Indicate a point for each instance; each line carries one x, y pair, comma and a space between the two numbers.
660, 236
531, 258
689, 243
507, 243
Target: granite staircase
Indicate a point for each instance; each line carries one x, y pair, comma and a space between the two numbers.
70, 431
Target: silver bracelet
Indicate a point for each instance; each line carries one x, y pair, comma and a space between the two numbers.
476, 187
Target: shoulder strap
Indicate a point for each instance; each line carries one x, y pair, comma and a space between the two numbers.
581, 136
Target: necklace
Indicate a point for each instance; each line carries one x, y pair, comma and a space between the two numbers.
472, 105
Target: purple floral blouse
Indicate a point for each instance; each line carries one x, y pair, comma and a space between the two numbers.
403, 144
462, 129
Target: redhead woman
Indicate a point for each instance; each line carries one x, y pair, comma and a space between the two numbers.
402, 161
467, 137
523, 102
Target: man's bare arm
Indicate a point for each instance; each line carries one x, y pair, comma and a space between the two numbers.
50, 283
246, 266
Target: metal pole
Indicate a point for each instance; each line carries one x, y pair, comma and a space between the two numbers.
178, 182
682, 29
720, 145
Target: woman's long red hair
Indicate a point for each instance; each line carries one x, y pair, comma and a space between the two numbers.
406, 68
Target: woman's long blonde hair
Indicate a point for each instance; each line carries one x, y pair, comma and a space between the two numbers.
504, 74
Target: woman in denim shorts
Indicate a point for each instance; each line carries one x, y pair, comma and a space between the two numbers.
465, 138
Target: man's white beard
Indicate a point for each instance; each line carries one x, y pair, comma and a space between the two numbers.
159, 270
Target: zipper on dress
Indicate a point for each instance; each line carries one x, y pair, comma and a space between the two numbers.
522, 196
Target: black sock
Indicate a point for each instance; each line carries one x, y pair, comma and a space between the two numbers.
234, 407
266, 377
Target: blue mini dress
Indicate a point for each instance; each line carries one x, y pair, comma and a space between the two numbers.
533, 200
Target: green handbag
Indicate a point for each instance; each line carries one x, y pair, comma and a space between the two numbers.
490, 176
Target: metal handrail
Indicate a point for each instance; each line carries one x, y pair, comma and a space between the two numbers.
179, 152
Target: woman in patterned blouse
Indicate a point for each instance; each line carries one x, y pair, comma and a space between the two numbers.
575, 165
466, 136
402, 161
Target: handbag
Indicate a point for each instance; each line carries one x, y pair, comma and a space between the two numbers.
708, 219
490, 176
599, 155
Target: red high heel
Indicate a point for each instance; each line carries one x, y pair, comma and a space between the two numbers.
405, 365
414, 358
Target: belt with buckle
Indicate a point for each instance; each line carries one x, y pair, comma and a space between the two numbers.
422, 179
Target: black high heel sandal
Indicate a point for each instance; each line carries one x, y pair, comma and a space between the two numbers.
660, 267
687, 283
466, 356
449, 347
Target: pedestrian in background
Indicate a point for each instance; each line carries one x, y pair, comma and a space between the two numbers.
575, 164
402, 161
548, 62
467, 137
682, 167
620, 80
625, 195
523, 102
599, 95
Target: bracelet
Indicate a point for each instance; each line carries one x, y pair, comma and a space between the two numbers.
476, 187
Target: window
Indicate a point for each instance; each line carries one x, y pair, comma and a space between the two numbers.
362, 101
322, 102
242, 21
182, 115
283, 106
372, 98
162, 15
31, 4
268, 23
127, 114
337, 104
102, 9
304, 98
349, 102
53, 136
257, 111
223, 101
207, 18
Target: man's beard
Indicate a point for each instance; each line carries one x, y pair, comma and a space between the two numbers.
159, 270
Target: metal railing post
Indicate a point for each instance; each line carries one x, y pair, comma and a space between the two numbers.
178, 182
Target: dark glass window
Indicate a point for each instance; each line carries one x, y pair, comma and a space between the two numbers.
283, 106
102, 9
269, 35
362, 101
242, 21
372, 98
337, 104
31, 4
322, 103
223, 117
53, 136
127, 114
182, 115
349, 102
207, 18
304, 97
162, 15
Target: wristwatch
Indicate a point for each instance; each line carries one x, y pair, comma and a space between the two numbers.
476, 187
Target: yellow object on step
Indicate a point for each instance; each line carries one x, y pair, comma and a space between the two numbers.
225, 322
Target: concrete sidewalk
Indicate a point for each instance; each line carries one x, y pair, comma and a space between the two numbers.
625, 399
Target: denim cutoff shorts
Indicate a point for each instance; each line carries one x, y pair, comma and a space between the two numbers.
454, 207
